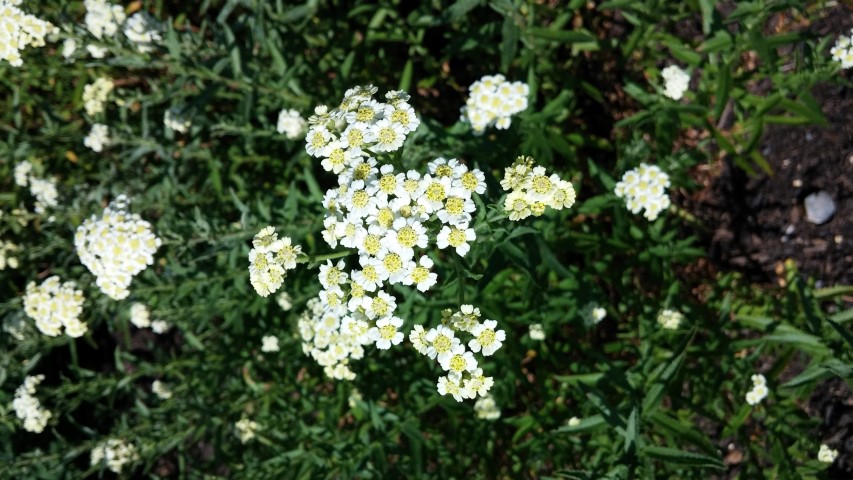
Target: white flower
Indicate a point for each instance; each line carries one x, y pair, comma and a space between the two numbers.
103, 18
826, 454
389, 136
317, 141
757, 394
449, 385
115, 453
115, 247
381, 305
160, 326
492, 101
54, 305
246, 429
291, 124
676, 82
161, 390
284, 301
140, 316
477, 384
420, 274
27, 406
386, 332
19, 30
457, 238
670, 319
418, 338
8, 256
143, 30
98, 137
532, 190
68, 48
441, 341
842, 51
95, 95
758, 379
459, 360
487, 409
22, 173
537, 332
270, 260
574, 422
487, 338
270, 344
177, 119
644, 188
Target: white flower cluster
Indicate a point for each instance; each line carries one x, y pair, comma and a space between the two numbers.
176, 119
114, 453
493, 101
143, 30
826, 454
842, 51
95, 95
486, 408
103, 18
644, 188
291, 124
19, 30
269, 344
98, 137
28, 408
532, 190
464, 378
116, 247
246, 429
536, 332
54, 305
592, 314
160, 389
43, 189
670, 319
332, 339
284, 301
7, 255
140, 317
270, 259
759, 389
676, 82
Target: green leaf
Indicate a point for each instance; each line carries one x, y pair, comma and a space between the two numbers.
563, 36
681, 457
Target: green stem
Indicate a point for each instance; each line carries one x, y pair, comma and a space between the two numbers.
459, 273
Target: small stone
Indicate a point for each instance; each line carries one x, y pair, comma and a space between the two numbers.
797, 183
789, 230
819, 207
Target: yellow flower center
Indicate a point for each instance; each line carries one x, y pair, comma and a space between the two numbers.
385, 217
541, 184
361, 172
486, 337
380, 306
419, 274
387, 135
469, 181
407, 237
443, 171
400, 116
355, 137
436, 192
456, 237
388, 183
360, 199
337, 157
392, 262
457, 363
364, 114
454, 206
441, 343
387, 332
371, 244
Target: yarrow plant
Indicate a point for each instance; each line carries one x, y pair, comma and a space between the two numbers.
98, 137
95, 95
43, 189
19, 30
676, 82
270, 259
291, 124
492, 101
114, 453
27, 406
644, 188
670, 319
8, 255
177, 119
55, 306
143, 30
245, 429
759, 390
842, 51
115, 247
531, 190
826, 454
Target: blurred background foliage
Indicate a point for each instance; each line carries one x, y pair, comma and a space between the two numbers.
652, 403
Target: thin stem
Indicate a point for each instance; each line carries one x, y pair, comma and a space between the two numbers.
458, 262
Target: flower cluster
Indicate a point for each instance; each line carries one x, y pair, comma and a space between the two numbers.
532, 190
7, 255
28, 408
98, 137
536, 332
486, 408
592, 314
644, 188
143, 30
270, 259
291, 124
54, 305
103, 18
95, 95
284, 301
842, 51
759, 389
670, 319
114, 453
269, 344
826, 454
160, 389
140, 317
116, 247
493, 101
464, 378
332, 339
19, 30
676, 82
246, 429
43, 189
176, 119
